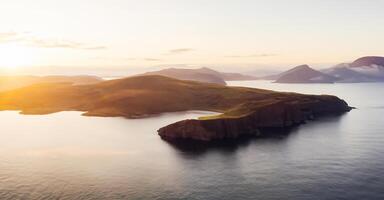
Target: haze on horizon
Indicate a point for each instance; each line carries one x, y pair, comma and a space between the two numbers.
115, 33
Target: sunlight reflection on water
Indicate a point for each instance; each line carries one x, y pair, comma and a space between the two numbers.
68, 156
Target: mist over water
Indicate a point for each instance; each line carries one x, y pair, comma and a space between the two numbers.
68, 156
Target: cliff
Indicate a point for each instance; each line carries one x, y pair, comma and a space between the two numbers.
244, 110
279, 114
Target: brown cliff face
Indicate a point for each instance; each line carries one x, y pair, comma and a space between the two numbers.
282, 114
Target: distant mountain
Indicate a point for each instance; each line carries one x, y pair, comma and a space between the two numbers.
365, 69
370, 65
271, 77
203, 74
347, 75
13, 82
188, 74
227, 76
304, 74
264, 72
368, 61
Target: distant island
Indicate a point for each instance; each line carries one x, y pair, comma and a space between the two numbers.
203, 74
245, 111
304, 74
364, 69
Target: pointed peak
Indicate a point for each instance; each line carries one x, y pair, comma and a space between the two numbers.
301, 68
206, 68
305, 66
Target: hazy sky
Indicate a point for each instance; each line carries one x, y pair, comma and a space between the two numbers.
155, 32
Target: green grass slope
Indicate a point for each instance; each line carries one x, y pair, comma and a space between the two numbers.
142, 96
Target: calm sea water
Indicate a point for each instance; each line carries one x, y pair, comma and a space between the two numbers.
67, 156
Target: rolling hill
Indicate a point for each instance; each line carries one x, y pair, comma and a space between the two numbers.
245, 111
203, 74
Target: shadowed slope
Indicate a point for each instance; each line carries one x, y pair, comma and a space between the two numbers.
129, 97
304, 74
134, 97
368, 61
364, 69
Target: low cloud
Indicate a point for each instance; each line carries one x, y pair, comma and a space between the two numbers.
148, 59
49, 43
179, 51
34, 41
251, 56
152, 59
8, 36
142, 59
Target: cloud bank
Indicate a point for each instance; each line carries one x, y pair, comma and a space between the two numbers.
179, 51
8, 36
28, 40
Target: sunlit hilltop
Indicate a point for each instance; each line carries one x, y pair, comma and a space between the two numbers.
191, 99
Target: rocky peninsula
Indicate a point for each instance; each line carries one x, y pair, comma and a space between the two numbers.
245, 111
279, 114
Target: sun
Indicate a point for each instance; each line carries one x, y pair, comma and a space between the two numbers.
15, 56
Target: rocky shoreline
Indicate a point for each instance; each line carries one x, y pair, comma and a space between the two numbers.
283, 114
244, 111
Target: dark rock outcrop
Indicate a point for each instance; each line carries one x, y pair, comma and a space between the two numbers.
282, 114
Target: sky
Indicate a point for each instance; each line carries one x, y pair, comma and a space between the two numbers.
141, 33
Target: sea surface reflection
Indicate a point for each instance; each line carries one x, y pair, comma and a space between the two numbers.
68, 156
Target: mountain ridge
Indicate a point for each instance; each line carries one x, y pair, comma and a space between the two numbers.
364, 69
304, 74
203, 74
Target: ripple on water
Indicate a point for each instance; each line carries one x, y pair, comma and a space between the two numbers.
67, 156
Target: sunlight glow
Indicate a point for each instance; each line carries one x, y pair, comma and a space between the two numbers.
15, 56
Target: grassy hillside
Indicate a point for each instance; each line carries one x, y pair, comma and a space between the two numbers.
142, 96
